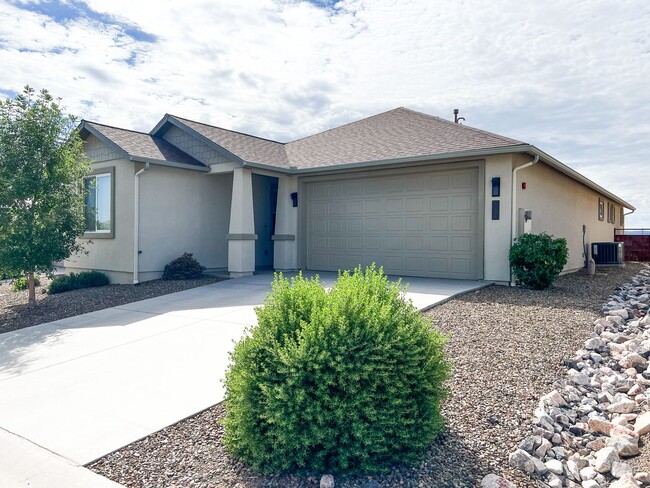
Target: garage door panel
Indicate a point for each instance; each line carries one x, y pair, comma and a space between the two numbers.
439, 204
439, 223
438, 243
462, 223
355, 207
394, 224
424, 224
394, 205
373, 206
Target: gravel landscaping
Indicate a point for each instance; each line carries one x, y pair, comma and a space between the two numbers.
507, 346
16, 314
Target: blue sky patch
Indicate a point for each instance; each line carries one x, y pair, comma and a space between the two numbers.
328, 4
62, 12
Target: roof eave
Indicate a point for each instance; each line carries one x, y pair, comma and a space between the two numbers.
414, 159
171, 164
563, 168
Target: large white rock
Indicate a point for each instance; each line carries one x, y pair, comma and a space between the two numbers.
642, 424
327, 481
600, 425
626, 481
604, 459
554, 466
631, 360
620, 469
624, 445
522, 461
494, 481
624, 405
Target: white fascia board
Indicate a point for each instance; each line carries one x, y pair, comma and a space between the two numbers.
563, 168
171, 164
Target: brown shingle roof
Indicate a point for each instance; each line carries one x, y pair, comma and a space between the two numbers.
249, 148
142, 145
398, 133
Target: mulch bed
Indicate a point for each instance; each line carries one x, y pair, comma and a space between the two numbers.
506, 346
16, 314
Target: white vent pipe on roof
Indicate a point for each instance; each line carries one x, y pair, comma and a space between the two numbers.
136, 224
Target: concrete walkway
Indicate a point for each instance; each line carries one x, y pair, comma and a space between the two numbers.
85, 386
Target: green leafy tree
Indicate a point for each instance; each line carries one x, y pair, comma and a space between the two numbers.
42, 163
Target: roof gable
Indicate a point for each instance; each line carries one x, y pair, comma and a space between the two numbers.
234, 145
139, 146
397, 134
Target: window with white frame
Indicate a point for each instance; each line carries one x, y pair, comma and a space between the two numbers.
98, 205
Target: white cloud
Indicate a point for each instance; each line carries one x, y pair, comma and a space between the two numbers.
567, 76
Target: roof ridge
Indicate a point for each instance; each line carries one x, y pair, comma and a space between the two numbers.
468, 127
227, 130
345, 125
120, 128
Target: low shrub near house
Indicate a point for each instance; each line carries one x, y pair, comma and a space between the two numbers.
22, 283
538, 259
185, 267
345, 381
75, 281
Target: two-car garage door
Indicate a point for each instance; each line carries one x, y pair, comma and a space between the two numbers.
419, 224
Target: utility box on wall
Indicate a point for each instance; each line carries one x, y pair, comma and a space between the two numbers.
525, 225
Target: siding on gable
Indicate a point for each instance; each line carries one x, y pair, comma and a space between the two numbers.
194, 147
98, 151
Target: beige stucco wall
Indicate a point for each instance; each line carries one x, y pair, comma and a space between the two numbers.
183, 211
561, 206
114, 256
497, 232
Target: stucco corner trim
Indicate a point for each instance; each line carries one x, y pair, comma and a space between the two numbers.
241, 237
283, 237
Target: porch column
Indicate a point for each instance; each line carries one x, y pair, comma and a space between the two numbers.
241, 237
285, 242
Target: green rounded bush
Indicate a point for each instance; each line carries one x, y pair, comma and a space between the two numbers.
75, 281
22, 283
185, 267
538, 259
345, 381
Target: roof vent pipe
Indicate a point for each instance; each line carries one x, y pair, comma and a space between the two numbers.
457, 119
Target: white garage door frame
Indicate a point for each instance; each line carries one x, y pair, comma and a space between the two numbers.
427, 167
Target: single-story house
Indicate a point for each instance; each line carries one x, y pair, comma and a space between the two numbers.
417, 194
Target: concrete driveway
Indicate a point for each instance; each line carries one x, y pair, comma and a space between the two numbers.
85, 386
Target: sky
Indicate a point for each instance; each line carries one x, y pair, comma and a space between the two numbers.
571, 77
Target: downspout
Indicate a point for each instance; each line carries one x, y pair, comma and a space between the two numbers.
513, 200
136, 224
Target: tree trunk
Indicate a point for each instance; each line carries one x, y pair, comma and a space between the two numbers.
32, 288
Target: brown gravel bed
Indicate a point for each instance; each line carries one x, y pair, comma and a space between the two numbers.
507, 346
16, 314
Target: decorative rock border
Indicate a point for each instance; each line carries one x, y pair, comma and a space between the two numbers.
594, 418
